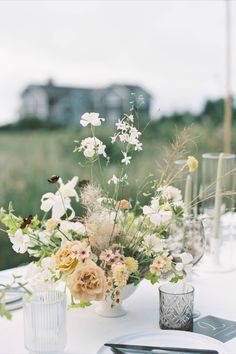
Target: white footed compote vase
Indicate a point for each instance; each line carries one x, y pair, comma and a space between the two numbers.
105, 308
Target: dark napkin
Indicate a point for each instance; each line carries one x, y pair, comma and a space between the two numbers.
215, 327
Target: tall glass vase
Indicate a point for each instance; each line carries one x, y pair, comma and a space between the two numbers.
218, 209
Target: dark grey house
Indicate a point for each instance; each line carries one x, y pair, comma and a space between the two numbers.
67, 104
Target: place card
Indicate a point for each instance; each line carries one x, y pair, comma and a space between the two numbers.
215, 327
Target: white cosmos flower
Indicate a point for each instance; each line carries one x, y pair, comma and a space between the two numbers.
156, 213
171, 193
126, 159
92, 146
60, 202
20, 241
91, 118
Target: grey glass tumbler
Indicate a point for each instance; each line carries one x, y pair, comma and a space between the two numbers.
45, 322
176, 306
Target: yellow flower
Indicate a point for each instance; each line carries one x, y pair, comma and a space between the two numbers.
192, 163
131, 264
88, 282
161, 264
123, 204
51, 224
65, 258
120, 274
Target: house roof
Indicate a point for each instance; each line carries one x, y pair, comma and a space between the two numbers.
54, 91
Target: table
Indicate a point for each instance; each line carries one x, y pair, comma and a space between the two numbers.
215, 294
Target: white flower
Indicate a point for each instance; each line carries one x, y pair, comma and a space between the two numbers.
113, 139
42, 277
68, 190
171, 193
124, 137
44, 237
20, 241
121, 125
91, 118
138, 146
186, 258
186, 263
81, 251
92, 146
67, 226
60, 201
126, 159
131, 118
114, 180
156, 213
152, 244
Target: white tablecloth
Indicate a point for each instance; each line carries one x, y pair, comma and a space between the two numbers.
215, 294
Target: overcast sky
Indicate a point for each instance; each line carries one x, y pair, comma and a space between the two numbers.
175, 49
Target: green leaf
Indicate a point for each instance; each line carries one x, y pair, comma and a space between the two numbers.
153, 278
176, 278
4, 312
81, 304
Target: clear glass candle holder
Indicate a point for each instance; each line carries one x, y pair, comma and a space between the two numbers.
187, 183
218, 207
45, 322
176, 306
209, 181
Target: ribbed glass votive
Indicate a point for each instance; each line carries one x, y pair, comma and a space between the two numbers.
45, 322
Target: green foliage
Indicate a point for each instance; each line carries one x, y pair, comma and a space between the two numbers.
153, 278
81, 304
176, 278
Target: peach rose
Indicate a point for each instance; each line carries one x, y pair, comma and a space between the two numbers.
88, 282
123, 204
65, 258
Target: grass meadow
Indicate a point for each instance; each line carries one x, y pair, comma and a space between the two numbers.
28, 158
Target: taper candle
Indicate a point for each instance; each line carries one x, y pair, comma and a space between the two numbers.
188, 195
218, 198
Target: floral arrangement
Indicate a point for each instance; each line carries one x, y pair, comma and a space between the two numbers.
114, 241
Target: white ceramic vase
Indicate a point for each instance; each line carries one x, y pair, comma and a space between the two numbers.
104, 308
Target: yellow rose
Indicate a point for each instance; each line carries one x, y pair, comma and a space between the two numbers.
51, 224
192, 163
131, 264
120, 274
65, 258
123, 204
88, 282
